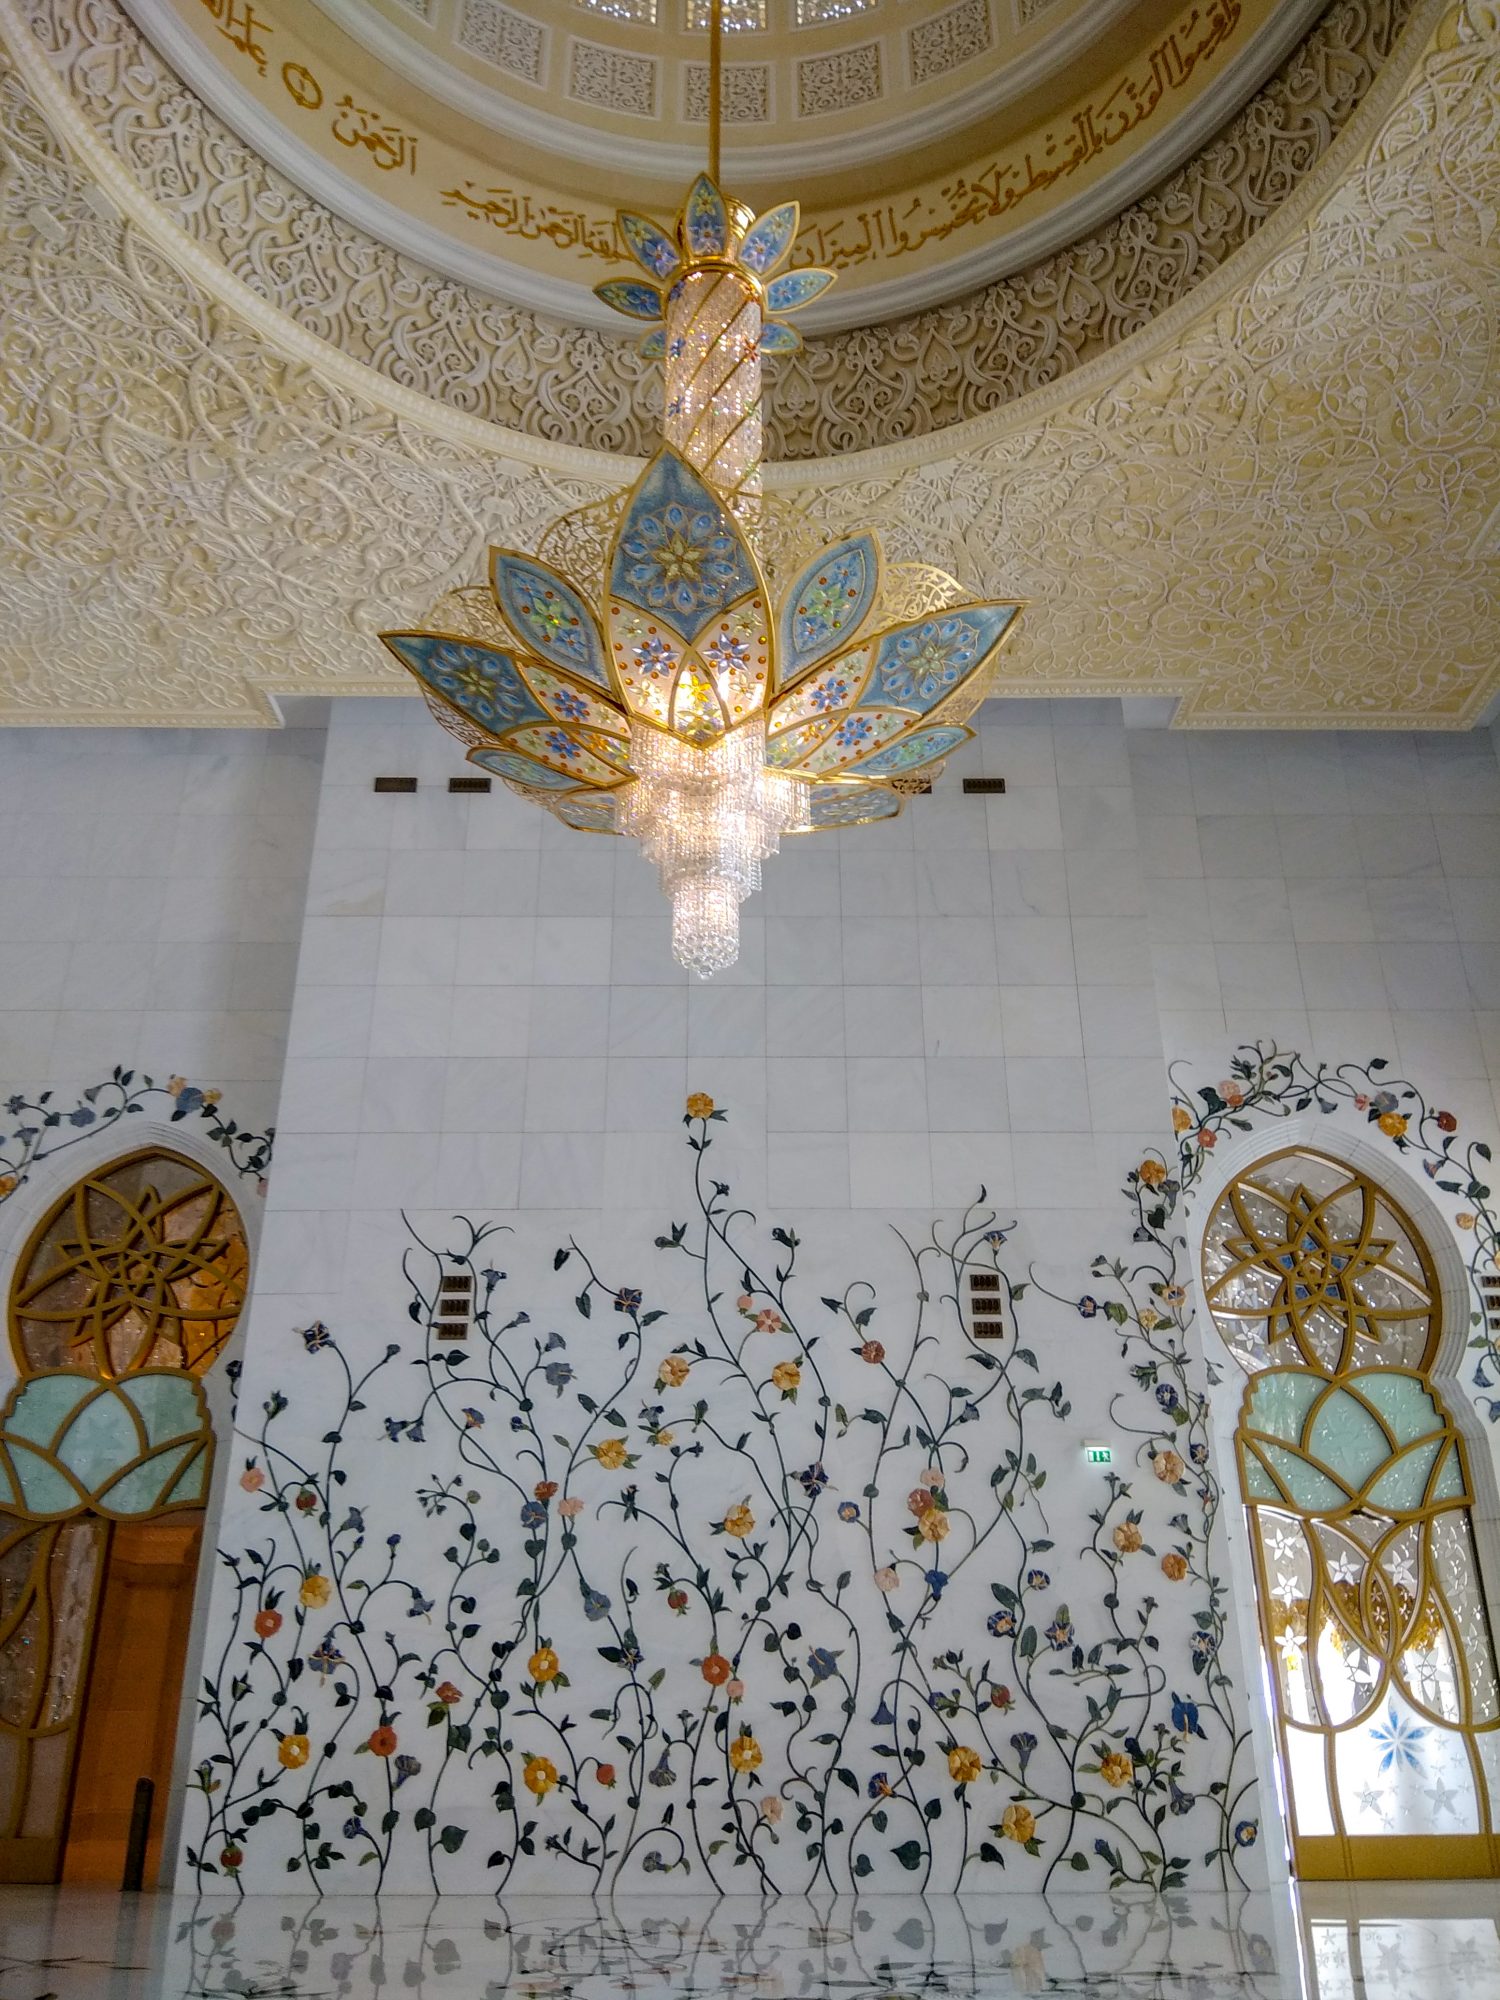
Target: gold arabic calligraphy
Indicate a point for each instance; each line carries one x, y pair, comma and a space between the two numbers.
893, 231
871, 236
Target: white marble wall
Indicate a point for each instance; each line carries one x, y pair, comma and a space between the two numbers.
1340, 892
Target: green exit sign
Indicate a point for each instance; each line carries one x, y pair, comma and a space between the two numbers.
1099, 1454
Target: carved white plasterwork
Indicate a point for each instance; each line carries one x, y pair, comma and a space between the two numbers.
746, 93
500, 35
612, 79
841, 80
1275, 501
841, 393
943, 42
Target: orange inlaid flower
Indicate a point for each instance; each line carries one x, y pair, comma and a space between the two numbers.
293, 1752
539, 1776
544, 1665
267, 1623
716, 1669
383, 1740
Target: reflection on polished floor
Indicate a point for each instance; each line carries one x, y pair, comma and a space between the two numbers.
1383, 1942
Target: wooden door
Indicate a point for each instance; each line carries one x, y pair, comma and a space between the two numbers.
134, 1691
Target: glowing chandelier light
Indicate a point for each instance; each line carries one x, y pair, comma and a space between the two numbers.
693, 709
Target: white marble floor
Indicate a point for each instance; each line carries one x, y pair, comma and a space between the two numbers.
1394, 1942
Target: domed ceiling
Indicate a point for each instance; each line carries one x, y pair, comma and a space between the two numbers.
934, 144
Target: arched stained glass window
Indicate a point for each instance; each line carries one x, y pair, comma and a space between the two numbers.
1358, 1489
126, 1293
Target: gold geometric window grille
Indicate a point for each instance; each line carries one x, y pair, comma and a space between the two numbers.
125, 1294
1360, 1501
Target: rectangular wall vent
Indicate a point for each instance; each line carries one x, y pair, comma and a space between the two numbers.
395, 784
455, 1306
986, 1313
990, 785
469, 784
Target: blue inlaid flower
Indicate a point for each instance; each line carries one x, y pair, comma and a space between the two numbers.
1185, 1717
558, 1375
1246, 1833
473, 1419
681, 559
830, 692
570, 704
726, 652
420, 1606
936, 1581
533, 1514
1204, 1647
879, 1786
1399, 1737
595, 1606
852, 731
1088, 1308
1166, 1395
406, 1767
325, 1658
822, 1664
661, 1773
919, 665
848, 1510
562, 745
627, 1299
1037, 1579
1059, 1635
1001, 1624
315, 1336
813, 1479
654, 658
353, 1828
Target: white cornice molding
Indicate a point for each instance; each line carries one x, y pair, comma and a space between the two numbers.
842, 308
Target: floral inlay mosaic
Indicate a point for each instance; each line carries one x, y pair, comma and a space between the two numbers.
755, 1588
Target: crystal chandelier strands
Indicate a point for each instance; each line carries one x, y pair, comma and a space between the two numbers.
687, 706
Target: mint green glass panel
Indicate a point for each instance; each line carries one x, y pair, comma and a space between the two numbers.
1309, 1488
1404, 1486
167, 1403
1280, 1399
138, 1491
43, 1488
191, 1487
1348, 1439
100, 1439
1449, 1484
1258, 1482
1406, 1405
43, 1405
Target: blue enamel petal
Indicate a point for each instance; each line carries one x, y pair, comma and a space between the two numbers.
589, 813
653, 345
524, 770
548, 616
479, 681
919, 665
826, 605
705, 219
794, 289
651, 247
912, 751
631, 297
769, 239
851, 805
776, 339
679, 555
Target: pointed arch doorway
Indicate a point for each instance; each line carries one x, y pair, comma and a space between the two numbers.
1357, 1485
124, 1296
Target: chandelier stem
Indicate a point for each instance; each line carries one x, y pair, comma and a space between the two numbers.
715, 85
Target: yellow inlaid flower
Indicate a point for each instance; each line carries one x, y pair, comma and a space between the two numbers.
1017, 1823
1116, 1769
611, 1453
1127, 1538
674, 1371
1174, 1566
964, 1765
739, 1521
1168, 1467
1393, 1124
544, 1664
934, 1525
745, 1753
293, 1752
787, 1377
700, 1105
316, 1590
1181, 1119
539, 1776
1152, 1173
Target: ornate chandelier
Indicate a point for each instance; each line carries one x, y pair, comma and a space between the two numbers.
674, 696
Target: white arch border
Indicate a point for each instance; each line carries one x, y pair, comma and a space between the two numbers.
45, 1183
1333, 1135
